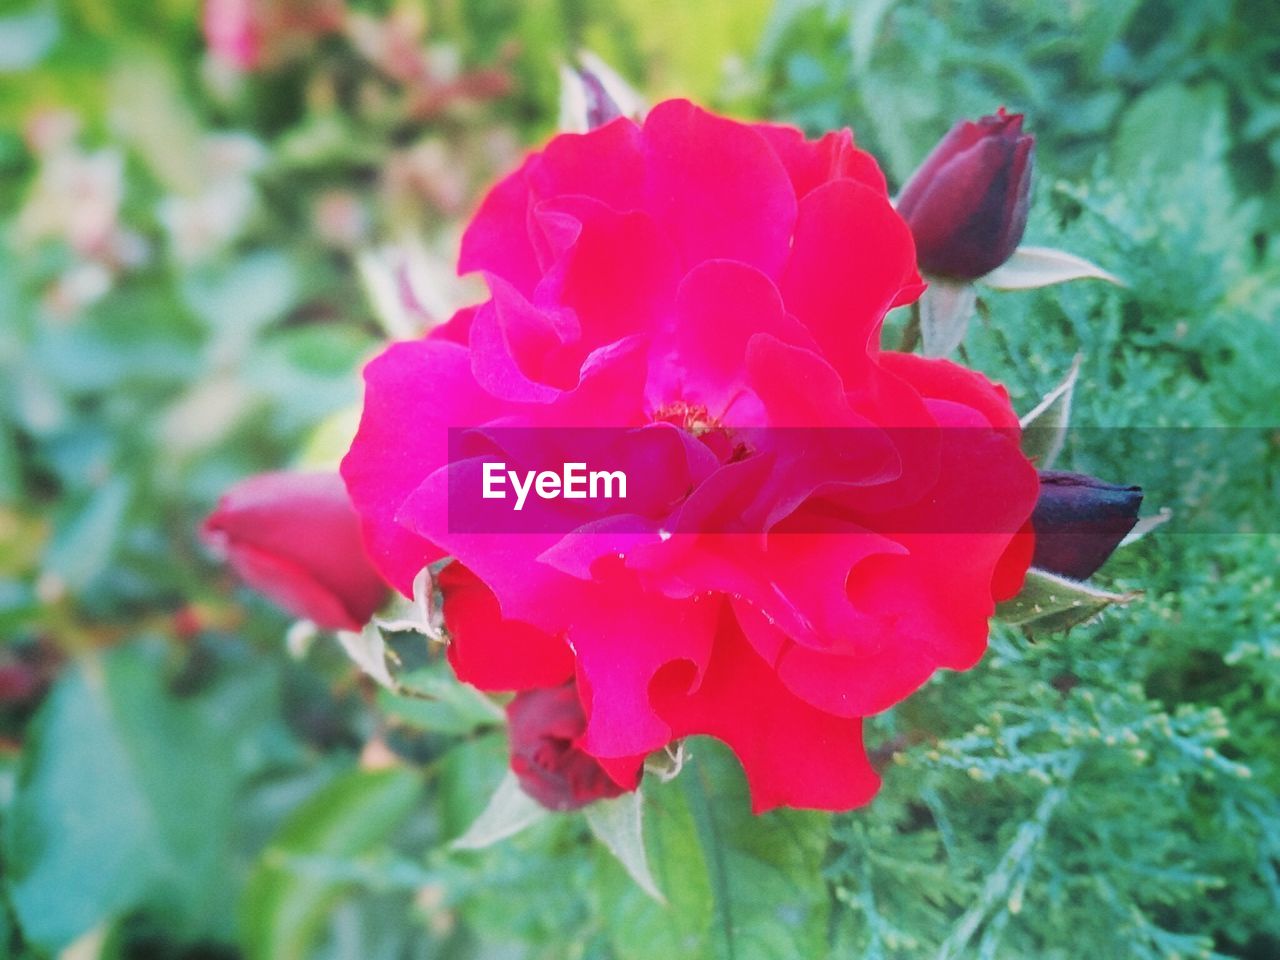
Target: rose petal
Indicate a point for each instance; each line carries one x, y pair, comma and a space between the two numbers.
717, 188
792, 753
491, 652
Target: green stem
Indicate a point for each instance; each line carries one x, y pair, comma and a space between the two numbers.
911, 332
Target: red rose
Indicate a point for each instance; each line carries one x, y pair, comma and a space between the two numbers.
967, 203
296, 538
705, 288
545, 727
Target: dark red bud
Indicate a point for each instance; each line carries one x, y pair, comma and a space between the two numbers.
1079, 521
545, 727
967, 203
296, 538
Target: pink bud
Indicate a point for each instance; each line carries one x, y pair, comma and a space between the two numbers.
296, 538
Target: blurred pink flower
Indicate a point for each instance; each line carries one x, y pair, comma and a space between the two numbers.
295, 537
250, 34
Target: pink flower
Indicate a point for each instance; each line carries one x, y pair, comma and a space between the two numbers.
248, 34
295, 537
235, 31
821, 524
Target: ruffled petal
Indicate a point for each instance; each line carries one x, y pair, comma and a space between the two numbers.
606, 164
498, 238
413, 393
491, 652
623, 638
811, 163
720, 306
717, 188
851, 262
793, 754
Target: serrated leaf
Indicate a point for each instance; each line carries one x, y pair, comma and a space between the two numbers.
1050, 603
1032, 267
285, 908
1044, 429
618, 823
510, 810
945, 309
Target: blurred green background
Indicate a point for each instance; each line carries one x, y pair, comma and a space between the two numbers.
194, 259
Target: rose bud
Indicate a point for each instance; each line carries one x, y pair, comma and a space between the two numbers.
296, 538
967, 203
545, 727
1079, 521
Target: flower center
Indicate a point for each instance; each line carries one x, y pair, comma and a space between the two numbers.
695, 420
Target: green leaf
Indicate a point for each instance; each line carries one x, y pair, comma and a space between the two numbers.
1049, 603
639, 927
865, 21
1032, 267
123, 801
686, 46
763, 867
510, 810
618, 823
469, 774
436, 701
329, 441
738, 886
285, 908
82, 548
1044, 429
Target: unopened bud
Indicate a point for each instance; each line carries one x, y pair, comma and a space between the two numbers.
1079, 521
